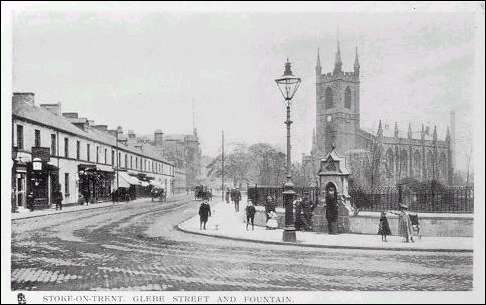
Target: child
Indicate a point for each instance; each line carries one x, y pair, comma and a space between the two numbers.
272, 222
250, 215
384, 227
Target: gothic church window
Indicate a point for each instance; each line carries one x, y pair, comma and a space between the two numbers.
443, 166
417, 164
329, 98
403, 169
389, 162
430, 165
347, 98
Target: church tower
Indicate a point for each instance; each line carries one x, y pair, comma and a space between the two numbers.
337, 106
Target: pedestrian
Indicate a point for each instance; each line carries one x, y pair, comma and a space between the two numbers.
308, 210
204, 213
237, 198
384, 227
299, 215
272, 222
30, 201
404, 223
269, 206
57, 196
331, 209
250, 215
153, 193
227, 195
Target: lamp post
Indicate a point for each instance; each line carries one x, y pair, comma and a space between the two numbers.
14, 179
288, 85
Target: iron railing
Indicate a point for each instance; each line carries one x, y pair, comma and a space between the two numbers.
258, 193
426, 200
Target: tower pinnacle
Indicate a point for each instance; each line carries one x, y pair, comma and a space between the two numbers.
318, 63
356, 62
338, 64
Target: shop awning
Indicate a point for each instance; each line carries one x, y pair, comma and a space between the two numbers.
128, 180
144, 183
104, 168
156, 184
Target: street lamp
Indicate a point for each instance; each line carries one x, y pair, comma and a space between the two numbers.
288, 85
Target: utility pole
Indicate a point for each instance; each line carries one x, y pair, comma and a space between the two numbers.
222, 165
117, 170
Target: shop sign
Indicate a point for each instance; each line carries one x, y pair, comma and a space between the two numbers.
43, 153
37, 164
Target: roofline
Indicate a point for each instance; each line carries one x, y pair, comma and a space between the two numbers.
16, 116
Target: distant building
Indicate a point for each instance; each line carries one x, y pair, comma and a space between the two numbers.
182, 150
384, 158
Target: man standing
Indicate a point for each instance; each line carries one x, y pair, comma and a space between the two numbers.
204, 213
307, 210
237, 199
57, 196
227, 195
331, 209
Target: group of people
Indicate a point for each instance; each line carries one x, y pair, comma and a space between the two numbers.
405, 227
304, 209
235, 196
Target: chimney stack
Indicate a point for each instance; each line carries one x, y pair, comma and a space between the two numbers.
101, 127
54, 108
26, 97
70, 115
158, 137
131, 134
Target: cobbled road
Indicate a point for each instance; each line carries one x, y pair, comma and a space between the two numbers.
114, 248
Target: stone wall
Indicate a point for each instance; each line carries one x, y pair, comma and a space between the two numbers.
451, 225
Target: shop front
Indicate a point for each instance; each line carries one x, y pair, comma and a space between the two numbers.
143, 188
42, 179
94, 183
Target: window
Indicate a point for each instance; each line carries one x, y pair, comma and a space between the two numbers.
66, 147
37, 138
112, 158
66, 184
144, 164
53, 144
105, 155
329, 98
126, 161
97, 153
347, 98
119, 160
136, 162
87, 151
20, 137
78, 150
131, 162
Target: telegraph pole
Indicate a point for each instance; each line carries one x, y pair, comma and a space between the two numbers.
222, 165
117, 169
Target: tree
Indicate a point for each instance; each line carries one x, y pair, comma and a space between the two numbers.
236, 165
260, 163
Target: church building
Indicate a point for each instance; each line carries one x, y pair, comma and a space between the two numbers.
376, 159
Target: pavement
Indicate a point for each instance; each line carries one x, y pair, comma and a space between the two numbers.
226, 223
26, 213
133, 247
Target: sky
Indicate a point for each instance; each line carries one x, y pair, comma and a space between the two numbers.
147, 70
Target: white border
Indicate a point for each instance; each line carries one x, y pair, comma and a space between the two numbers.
477, 296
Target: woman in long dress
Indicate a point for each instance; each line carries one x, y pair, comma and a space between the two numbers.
272, 222
404, 223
